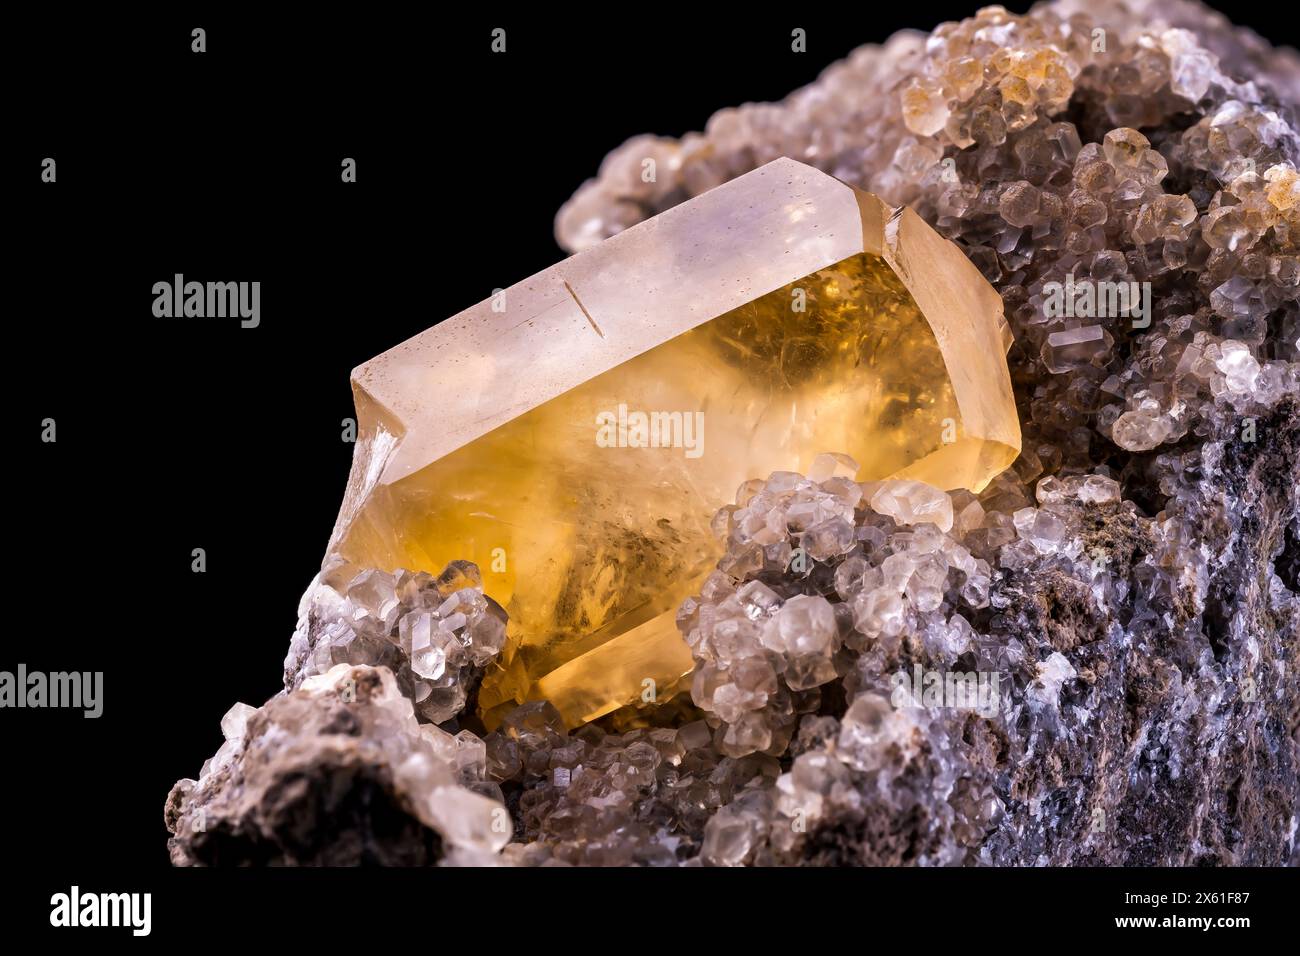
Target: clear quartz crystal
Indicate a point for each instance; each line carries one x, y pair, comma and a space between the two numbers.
1073, 348
913, 502
235, 723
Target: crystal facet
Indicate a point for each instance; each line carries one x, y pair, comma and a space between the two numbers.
573, 435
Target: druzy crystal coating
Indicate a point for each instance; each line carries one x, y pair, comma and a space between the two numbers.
573, 435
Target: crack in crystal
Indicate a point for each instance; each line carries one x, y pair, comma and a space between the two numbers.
569, 289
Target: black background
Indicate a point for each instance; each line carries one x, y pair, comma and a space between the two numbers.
181, 434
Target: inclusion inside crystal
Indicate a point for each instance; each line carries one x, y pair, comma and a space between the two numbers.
592, 544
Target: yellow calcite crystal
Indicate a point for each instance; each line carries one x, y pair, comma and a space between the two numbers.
574, 434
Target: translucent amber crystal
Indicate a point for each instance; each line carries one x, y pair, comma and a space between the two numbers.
778, 316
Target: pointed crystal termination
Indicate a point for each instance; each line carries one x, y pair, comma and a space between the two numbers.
574, 434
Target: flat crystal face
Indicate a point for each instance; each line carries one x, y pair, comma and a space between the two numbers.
589, 514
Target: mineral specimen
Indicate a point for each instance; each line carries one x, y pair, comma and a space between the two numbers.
589, 420
1092, 660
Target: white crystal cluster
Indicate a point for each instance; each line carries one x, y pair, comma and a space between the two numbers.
761, 647
435, 634
903, 595
860, 575
1213, 378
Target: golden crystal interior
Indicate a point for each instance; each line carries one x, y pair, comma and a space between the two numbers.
591, 543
